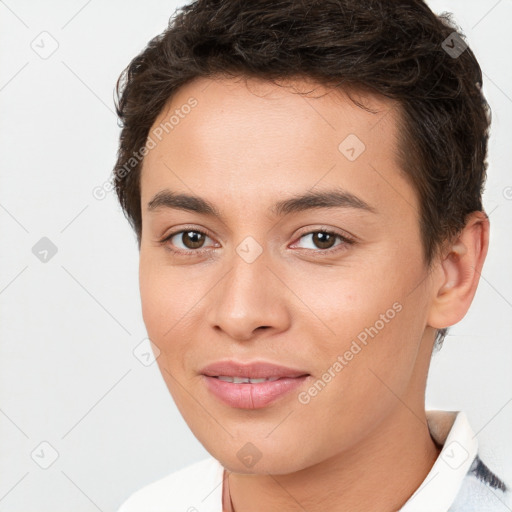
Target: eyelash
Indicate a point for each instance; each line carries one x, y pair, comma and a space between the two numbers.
197, 252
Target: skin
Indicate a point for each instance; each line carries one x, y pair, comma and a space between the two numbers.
362, 443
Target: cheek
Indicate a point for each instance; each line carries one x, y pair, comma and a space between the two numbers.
161, 309
161, 315
163, 300
154, 302
342, 302
171, 312
364, 315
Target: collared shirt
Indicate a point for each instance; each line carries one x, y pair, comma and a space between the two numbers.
458, 481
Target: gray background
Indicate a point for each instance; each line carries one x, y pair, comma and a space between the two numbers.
69, 325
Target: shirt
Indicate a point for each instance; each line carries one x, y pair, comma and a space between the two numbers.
458, 481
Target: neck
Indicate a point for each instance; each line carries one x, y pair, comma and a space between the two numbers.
380, 473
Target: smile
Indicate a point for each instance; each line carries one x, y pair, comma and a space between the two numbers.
247, 393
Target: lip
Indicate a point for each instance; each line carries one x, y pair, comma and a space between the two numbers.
252, 370
249, 395
252, 396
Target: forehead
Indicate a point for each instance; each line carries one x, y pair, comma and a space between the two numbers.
247, 138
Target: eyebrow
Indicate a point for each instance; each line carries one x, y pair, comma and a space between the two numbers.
336, 198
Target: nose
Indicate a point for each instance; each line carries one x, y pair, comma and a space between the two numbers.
250, 298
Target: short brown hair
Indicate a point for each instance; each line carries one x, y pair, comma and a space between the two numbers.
397, 49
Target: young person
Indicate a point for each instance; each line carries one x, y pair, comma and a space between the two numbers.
304, 180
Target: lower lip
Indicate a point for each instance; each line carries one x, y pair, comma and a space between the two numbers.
252, 396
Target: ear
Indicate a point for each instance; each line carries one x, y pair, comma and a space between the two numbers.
459, 272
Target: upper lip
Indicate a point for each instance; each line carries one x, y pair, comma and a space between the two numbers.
251, 370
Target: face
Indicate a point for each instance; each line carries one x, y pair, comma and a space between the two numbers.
334, 287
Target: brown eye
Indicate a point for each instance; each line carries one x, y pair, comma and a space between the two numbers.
186, 241
192, 239
324, 240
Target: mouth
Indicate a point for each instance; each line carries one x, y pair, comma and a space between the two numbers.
253, 370
248, 380
251, 385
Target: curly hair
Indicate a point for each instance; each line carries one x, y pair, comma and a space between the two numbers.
398, 49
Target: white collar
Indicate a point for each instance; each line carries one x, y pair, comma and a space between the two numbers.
460, 446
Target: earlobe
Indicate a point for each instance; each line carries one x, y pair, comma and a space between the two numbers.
459, 272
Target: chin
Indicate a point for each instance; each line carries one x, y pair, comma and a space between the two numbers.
273, 467
246, 458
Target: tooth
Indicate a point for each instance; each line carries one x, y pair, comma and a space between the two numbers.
225, 379
246, 380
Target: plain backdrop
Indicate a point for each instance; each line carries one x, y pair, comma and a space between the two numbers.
83, 421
